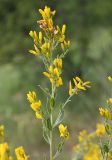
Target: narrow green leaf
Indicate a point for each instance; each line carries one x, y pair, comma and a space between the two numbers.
49, 126
59, 118
48, 106
106, 148
108, 129
52, 102
46, 137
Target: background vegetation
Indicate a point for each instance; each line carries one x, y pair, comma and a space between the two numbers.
89, 29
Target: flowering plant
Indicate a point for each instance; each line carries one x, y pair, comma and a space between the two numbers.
46, 44
97, 145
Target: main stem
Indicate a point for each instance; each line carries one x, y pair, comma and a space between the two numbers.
51, 142
51, 132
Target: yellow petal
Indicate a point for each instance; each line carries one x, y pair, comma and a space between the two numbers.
36, 105
33, 52
46, 74
40, 37
63, 29
38, 115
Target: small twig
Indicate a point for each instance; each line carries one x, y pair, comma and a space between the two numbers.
67, 101
43, 90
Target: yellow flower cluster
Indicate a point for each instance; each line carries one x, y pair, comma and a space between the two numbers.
35, 103
47, 23
87, 149
104, 112
39, 47
100, 130
93, 153
48, 26
37, 42
20, 153
54, 34
54, 72
79, 85
63, 131
4, 152
4, 147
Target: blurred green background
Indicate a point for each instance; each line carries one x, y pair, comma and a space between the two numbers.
89, 27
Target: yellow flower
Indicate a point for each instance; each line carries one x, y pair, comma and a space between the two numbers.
1, 131
20, 153
47, 23
37, 38
54, 77
62, 38
47, 13
33, 34
38, 115
63, 131
65, 45
63, 29
61, 33
93, 153
109, 101
35, 52
4, 151
105, 113
100, 130
54, 72
37, 42
82, 135
36, 105
110, 78
79, 85
71, 90
31, 96
47, 74
40, 37
58, 63
45, 48
59, 82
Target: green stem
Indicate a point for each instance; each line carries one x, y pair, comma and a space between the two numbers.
67, 101
51, 132
51, 145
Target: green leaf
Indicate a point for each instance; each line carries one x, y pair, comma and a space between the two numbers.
60, 147
59, 118
108, 129
46, 137
48, 106
46, 133
52, 102
106, 148
49, 126
59, 150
